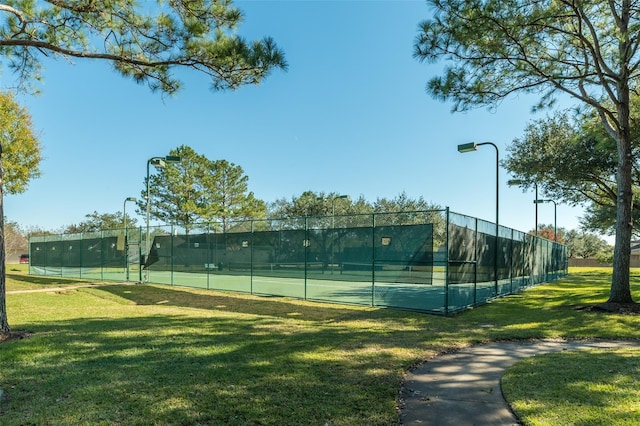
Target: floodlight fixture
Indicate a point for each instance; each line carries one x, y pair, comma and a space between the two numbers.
333, 220
518, 182
467, 147
555, 215
473, 146
158, 162
126, 244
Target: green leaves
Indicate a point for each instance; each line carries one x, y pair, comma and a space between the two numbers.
573, 159
20, 146
496, 48
198, 190
143, 42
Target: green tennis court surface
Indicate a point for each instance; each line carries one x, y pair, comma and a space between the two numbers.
431, 261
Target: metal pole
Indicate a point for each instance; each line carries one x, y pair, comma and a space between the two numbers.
160, 162
535, 184
126, 243
333, 231
472, 146
446, 264
555, 221
146, 247
536, 229
555, 216
497, 178
126, 247
497, 251
495, 264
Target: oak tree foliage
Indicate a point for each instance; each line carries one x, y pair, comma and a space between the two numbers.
20, 146
19, 163
95, 222
587, 50
144, 41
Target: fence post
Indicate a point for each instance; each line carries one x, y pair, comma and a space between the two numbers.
251, 244
373, 259
102, 254
446, 263
475, 263
172, 257
511, 262
140, 255
306, 252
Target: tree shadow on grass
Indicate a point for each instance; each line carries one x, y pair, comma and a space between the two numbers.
590, 377
246, 304
193, 369
41, 280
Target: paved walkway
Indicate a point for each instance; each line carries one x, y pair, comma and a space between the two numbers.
463, 387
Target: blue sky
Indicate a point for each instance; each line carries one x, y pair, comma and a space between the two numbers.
350, 116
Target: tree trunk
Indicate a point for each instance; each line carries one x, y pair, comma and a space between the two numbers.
620, 287
4, 324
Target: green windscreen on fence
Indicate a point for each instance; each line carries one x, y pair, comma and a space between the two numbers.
486, 261
85, 257
431, 261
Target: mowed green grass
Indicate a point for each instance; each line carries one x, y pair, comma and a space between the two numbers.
590, 387
150, 354
19, 280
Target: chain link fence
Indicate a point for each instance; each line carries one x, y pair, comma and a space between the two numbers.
430, 261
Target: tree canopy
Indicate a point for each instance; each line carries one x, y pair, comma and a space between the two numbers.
99, 221
571, 159
19, 145
197, 190
583, 244
226, 195
142, 41
311, 203
551, 233
20, 153
15, 239
587, 50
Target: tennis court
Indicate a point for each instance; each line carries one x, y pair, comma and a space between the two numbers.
431, 261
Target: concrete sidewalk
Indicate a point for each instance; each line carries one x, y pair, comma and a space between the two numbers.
463, 387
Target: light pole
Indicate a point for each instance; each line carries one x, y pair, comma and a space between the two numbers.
126, 243
158, 162
473, 146
333, 223
555, 216
516, 182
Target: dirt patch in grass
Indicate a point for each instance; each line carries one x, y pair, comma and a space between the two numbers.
15, 335
613, 308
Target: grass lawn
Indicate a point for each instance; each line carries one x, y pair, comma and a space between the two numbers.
150, 354
19, 280
594, 387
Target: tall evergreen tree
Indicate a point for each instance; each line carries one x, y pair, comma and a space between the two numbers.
227, 196
143, 42
585, 49
197, 190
